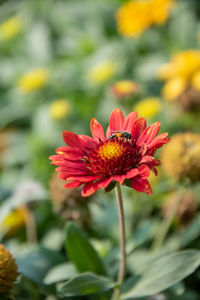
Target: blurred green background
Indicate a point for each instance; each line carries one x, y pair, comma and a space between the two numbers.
63, 63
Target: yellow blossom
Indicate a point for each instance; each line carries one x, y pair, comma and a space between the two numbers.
102, 72
173, 88
195, 81
148, 107
124, 88
14, 221
33, 80
10, 28
59, 109
160, 10
135, 16
166, 71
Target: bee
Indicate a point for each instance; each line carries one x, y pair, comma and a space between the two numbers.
120, 134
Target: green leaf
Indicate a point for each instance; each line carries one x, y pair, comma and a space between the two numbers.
81, 252
85, 284
37, 261
163, 273
60, 272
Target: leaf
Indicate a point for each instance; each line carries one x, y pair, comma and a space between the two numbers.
36, 262
81, 252
85, 284
163, 273
60, 272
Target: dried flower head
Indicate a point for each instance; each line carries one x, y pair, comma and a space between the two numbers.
125, 155
8, 270
189, 99
181, 158
187, 206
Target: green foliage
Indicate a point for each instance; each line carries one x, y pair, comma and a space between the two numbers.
85, 284
81, 252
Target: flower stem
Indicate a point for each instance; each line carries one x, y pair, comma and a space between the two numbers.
164, 227
122, 267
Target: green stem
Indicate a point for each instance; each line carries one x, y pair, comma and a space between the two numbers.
164, 227
122, 266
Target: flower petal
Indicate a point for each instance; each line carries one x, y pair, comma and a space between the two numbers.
129, 121
71, 139
159, 140
148, 135
83, 178
116, 120
91, 187
97, 130
141, 185
138, 127
71, 185
87, 142
149, 160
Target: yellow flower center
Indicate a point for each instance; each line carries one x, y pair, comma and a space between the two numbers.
111, 150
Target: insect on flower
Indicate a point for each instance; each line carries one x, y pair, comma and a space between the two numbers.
124, 155
120, 134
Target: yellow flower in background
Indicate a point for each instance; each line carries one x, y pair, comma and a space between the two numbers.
160, 10
124, 88
33, 80
195, 81
102, 72
10, 28
134, 17
181, 72
59, 109
148, 107
173, 88
166, 71
14, 221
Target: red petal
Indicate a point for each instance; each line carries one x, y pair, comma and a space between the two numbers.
90, 188
130, 174
148, 135
68, 150
97, 130
72, 185
144, 171
141, 185
108, 132
116, 120
138, 127
83, 178
129, 121
149, 160
71, 139
159, 140
87, 141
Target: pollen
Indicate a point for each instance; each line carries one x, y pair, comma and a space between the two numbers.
111, 150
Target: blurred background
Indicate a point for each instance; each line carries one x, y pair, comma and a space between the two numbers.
65, 62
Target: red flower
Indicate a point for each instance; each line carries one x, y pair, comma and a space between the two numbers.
123, 157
